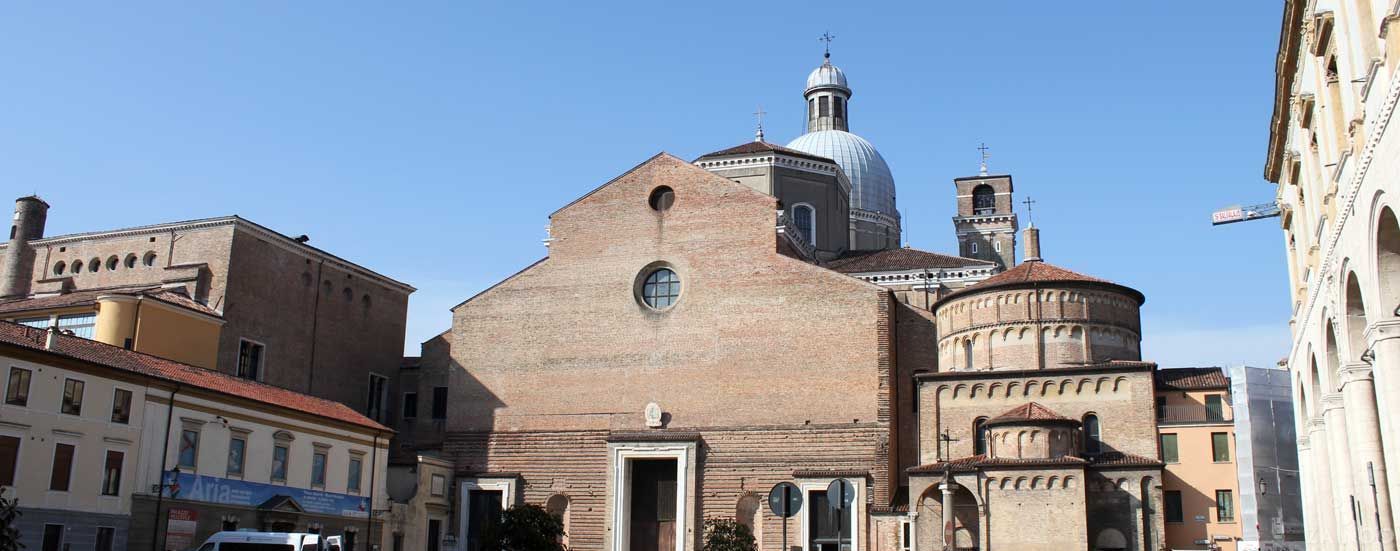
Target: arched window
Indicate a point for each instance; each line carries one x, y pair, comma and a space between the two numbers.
94, 264
58, 268
77, 266
979, 439
150, 259
974, 247
967, 354
130, 260
805, 218
984, 200
1092, 442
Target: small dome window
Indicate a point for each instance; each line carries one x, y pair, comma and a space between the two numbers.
662, 198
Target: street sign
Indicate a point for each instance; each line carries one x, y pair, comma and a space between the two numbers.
785, 500
840, 494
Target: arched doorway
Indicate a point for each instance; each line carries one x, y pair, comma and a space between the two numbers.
965, 531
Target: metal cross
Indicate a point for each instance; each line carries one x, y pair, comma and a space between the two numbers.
1030, 217
983, 149
759, 113
947, 439
827, 37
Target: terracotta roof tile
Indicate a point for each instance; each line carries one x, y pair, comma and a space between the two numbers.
1120, 459
889, 260
1033, 272
764, 147
1190, 378
1029, 411
169, 370
173, 296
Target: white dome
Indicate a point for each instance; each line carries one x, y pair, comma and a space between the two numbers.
827, 76
872, 185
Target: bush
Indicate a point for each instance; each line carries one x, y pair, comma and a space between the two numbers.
726, 534
525, 528
9, 514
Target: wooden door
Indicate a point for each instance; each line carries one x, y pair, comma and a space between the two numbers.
653, 505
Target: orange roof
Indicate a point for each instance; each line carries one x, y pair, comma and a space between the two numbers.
1029, 411
168, 370
1035, 272
1190, 378
173, 296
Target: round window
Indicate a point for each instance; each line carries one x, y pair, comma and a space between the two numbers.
662, 198
661, 288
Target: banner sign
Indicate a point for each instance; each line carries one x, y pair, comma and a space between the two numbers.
180, 528
226, 491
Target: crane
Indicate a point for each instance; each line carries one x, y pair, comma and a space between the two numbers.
1230, 215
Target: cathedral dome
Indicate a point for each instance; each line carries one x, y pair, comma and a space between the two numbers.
827, 76
872, 185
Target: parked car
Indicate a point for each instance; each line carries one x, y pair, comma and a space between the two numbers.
270, 541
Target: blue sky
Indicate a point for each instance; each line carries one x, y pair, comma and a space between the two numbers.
430, 141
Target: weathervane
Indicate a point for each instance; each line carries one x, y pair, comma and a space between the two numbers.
1030, 217
827, 37
983, 149
758, 136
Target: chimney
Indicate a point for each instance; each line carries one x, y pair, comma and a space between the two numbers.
17, 266
51, 338
1032, 237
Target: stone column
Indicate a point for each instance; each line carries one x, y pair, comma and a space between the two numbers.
1364, 438
1383, 340
947, 515
1312, 527
1339, 458
1324, 506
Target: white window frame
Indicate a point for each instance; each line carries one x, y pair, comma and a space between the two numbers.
819, 485
620, 482
464, 488
974, 247
908, 534
262, 359
996, 245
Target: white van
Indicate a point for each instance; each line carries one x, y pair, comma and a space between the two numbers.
269, 541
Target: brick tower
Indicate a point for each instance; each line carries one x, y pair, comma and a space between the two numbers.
18, 259
986, 220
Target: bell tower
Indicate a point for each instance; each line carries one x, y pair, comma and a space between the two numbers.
986, 220
17, 270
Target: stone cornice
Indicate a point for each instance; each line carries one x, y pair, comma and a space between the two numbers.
1331, 401
1381, 331
1353, 372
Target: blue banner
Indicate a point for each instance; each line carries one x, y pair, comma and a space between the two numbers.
227, 491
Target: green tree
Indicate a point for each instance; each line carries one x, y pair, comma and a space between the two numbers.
9, 534
726, 534
525, 528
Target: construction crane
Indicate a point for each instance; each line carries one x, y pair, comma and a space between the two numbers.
1230, 215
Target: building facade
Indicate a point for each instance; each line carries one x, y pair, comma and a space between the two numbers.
107, 448
1200, 488
1336, 162
276, 309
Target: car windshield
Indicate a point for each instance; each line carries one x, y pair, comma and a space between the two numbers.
240, 546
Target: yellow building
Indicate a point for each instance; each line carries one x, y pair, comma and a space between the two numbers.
1196, 434
153, 320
